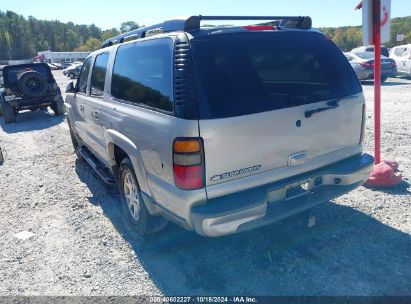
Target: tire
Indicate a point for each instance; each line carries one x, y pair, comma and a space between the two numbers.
135, 212
32, 84
384, 78
8, 112
75, 143
58, 107
71, 76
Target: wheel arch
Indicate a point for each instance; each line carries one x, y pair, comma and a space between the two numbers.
119, 146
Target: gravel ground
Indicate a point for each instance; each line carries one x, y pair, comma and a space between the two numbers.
361, 244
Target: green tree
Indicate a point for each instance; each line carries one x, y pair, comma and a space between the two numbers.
91, 45
128, 26
109, 34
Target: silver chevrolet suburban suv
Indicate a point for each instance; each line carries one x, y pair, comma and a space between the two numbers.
220, 129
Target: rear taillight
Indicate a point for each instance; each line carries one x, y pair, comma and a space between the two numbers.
363, 123
366, 65
188, 163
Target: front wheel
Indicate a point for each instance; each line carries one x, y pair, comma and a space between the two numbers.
72, 76
135, 211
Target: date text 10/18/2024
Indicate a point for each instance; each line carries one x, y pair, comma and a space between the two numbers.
205, 299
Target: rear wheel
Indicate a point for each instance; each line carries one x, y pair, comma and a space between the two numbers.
8, 112
135, 211
58, 107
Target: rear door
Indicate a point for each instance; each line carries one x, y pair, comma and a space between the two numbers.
273, 99
399, 55
407, 61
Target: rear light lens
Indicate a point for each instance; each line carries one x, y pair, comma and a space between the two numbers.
363, 123
188, 163
367, 65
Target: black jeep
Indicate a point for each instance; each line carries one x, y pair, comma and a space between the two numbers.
28, 87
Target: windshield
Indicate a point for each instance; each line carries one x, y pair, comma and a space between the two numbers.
246, 73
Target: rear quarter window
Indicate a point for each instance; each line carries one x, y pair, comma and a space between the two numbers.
246, 73
142, 74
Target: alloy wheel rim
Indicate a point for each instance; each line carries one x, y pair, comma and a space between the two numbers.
131, 195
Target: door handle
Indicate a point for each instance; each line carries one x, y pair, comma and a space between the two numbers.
96, 114
81, 107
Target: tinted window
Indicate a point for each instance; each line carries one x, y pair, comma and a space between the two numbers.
245, 73
82, 79
142, 73
98, 76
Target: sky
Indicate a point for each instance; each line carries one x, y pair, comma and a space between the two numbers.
109, 14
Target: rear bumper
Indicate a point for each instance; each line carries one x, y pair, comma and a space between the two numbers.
34, 102
267, 204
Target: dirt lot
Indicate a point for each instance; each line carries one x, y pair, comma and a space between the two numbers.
361, 244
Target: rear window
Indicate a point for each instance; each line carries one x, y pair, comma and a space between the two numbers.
246, 73
365, 55
12, 73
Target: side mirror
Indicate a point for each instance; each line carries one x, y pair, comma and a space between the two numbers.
70, 88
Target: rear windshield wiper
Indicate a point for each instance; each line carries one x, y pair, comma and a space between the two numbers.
332, 104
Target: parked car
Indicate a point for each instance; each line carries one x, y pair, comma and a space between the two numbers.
59, 66
363, 65
66, 65
370, 48
52, 66
29, 86
72, 71
402, 56
220, 130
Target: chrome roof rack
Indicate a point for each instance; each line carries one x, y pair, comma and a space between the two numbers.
192, 24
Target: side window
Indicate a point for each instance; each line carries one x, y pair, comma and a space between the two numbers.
83, 77
142, 73
98, 75
399, 51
